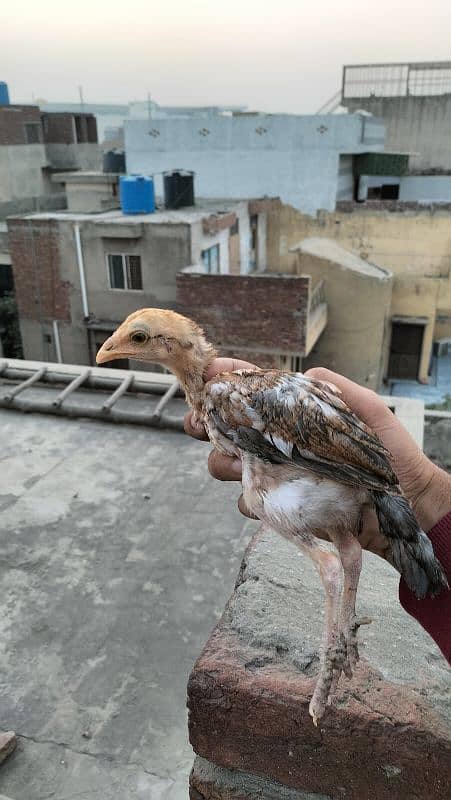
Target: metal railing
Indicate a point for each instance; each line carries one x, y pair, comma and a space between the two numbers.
17, 376
317, 296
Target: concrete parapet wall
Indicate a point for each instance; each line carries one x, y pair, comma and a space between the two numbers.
386, 734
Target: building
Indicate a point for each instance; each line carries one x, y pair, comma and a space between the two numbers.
271, 320
33, 146
408, 240
77, 275
306, 160
413, 100
111, 116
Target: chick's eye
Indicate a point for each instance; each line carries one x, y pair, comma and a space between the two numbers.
139, 337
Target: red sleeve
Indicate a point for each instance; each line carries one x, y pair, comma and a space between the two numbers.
434, 613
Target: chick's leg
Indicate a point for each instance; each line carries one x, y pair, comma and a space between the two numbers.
332, 653
350, 554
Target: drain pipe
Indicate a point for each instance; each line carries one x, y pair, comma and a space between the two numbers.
81, 270
57, 340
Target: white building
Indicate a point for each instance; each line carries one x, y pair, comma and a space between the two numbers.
305, 160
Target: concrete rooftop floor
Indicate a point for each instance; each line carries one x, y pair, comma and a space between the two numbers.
435, 391
119, 552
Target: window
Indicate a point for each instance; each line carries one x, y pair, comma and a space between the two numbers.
32, 132
210, 259
124, 272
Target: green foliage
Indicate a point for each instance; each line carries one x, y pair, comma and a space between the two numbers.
9, 327
445, 405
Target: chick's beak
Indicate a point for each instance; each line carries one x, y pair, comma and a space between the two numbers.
109, 351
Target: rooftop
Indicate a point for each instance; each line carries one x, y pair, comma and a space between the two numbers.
112, 576
330, 250
113, 573
187, 215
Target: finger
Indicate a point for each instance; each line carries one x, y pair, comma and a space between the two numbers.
224, 468
244, 509
227, 365
197, 430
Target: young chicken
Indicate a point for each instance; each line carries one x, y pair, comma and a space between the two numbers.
310, 466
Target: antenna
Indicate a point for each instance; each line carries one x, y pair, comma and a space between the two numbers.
82, 103
149, 105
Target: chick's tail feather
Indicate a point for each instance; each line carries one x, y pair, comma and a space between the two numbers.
411, 549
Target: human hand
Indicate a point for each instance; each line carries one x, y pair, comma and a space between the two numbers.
425, 485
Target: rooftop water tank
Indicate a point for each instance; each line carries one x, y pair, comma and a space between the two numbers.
137, 194
178, 188
4, 94
114, 161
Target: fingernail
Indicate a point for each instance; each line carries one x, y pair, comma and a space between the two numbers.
237, 466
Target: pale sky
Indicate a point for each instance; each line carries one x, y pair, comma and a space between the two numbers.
272, 56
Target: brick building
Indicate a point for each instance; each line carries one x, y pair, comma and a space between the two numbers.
272, 320
32, 146
77, 275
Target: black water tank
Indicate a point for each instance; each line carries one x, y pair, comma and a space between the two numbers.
114, 161
178, 188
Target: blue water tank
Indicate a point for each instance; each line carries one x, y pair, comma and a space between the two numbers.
137, 194
4, 94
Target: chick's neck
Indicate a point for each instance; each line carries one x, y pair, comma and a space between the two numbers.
190, 368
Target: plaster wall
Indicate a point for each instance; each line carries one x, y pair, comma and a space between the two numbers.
21, 171
414, 245
354, 342
419, 125
294, 157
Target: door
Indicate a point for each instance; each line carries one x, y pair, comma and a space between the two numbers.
234, 249
405, 351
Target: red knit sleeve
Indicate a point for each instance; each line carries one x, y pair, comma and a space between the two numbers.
434, 613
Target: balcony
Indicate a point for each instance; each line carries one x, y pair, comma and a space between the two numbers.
260, 317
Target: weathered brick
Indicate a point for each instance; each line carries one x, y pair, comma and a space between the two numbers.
249, 692
13, 119
40, 292
264, 314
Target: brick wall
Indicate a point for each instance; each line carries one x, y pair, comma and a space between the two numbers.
58, 128
62, 128
260, 314
12, 123
40, 293
386, 734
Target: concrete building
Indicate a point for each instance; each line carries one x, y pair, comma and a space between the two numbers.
306, 160
111, 116
77, 275
33, 146
413, 100
358, 297
409, 240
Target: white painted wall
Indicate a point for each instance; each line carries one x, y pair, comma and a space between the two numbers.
293, 157
426, 188
412, 188
201, 241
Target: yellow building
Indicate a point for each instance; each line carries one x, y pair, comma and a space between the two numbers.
411, 242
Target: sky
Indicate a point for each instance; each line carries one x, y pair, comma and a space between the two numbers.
283, 56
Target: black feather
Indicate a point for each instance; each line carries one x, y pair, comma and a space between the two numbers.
411, 549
